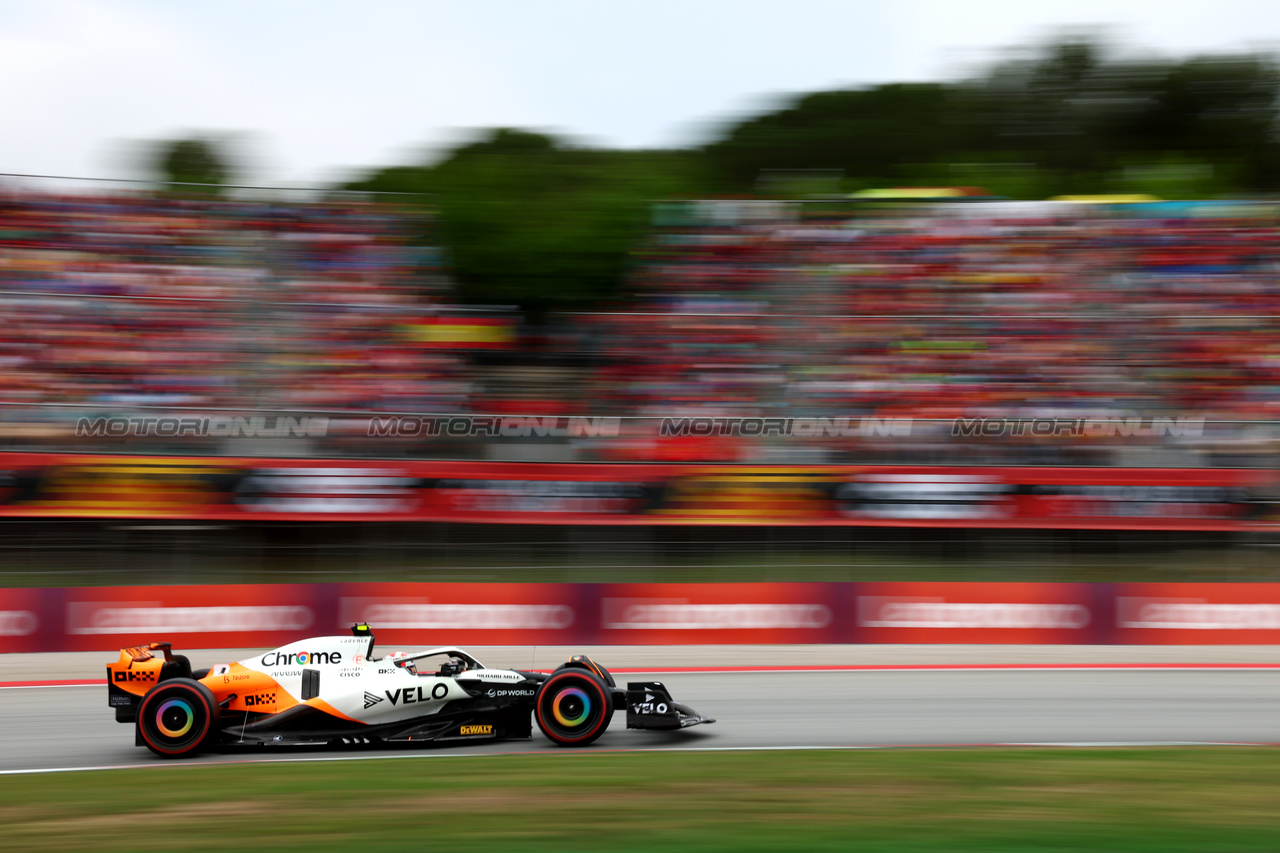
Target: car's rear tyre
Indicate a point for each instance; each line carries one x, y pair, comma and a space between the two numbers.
177, 718
572, 707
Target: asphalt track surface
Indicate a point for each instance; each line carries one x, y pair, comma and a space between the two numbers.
50, 728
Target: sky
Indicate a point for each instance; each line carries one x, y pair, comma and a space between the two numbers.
314, 92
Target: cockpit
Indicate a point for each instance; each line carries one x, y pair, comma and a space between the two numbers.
444, 662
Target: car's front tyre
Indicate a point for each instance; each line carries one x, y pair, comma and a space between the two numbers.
572, 707
177, 718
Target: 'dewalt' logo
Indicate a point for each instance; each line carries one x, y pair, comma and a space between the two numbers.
300, 658
475, 730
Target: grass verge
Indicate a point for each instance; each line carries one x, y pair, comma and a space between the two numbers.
182, 567
1160, 799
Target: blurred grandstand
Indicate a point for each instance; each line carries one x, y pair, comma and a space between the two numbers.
963, 309
138, 304
146, 304
143, 305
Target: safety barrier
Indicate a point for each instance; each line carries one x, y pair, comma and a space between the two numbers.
425, 614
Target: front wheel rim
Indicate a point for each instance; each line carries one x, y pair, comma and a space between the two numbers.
572, 711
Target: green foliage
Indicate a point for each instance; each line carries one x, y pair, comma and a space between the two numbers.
1068, 118
192, 161
869, 133
530, 220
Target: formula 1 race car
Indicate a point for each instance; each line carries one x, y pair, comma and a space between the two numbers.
332, 690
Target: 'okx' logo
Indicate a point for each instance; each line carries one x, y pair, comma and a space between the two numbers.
131, 675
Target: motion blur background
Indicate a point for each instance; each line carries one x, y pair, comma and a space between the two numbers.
1077, 235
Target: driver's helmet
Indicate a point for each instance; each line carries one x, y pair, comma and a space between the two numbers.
453, 666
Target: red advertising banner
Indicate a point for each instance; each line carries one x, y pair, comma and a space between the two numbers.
1197, 613
975, 613
22, 620
210, 617
478, 614
231, 489
674, 613
424, 615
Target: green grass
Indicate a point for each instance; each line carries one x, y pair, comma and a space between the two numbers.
516, 565
1160, 799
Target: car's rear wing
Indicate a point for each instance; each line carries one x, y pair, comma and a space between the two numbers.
137, 671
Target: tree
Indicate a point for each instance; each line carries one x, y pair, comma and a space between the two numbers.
195, 160
874, 133
1069, 117
533, 221
536, 221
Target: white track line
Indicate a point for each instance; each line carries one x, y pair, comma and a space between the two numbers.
159, 763
876, 669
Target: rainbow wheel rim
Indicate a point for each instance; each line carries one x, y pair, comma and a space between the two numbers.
571, 707
175, 718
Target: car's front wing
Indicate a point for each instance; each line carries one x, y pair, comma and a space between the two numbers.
650, 706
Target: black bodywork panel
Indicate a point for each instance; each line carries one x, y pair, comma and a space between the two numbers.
650, 706
481, 718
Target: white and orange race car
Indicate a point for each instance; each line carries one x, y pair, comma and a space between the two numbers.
332, 690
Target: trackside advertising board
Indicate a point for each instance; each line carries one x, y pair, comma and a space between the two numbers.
192, 616
1197, 613
978, 612
736, 613
22, 621
54, 485
414, 615
470, 613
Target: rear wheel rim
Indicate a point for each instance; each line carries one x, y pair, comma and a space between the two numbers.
175, 720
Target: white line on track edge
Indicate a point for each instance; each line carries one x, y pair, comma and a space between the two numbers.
810, 748
876, 669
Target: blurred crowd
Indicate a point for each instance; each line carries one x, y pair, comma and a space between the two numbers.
117, 303
128, 300
933, 312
